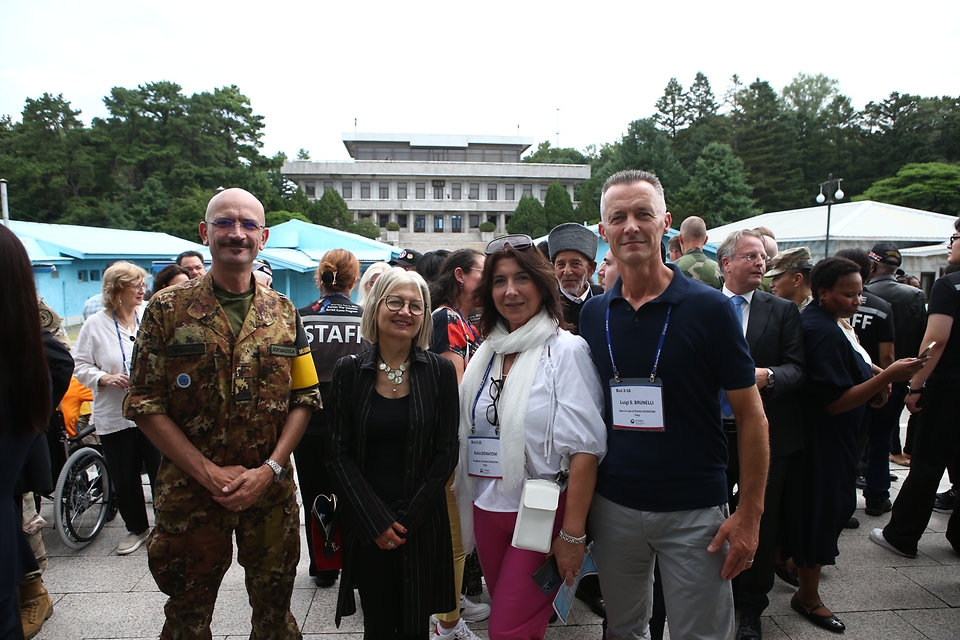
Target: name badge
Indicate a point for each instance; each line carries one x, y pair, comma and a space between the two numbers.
484, 457
637, 404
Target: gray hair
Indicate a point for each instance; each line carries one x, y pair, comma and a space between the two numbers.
632, 176
727, 247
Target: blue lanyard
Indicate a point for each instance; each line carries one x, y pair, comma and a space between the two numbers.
476, 401
123, 352
656, 360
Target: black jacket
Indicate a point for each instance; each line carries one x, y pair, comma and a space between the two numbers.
909, 313
571, 309
429, 460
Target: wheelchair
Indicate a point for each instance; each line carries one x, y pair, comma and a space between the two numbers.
83, 500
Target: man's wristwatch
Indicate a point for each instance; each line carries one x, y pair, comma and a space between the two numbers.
279, 473
770, 379
911, 392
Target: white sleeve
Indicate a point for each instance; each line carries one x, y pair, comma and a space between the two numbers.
86, 369
578, 422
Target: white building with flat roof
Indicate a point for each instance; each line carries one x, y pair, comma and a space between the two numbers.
437, 188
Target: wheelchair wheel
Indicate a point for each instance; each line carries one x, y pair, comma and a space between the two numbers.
82, 498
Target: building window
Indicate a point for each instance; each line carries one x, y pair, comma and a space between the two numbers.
402, 221
310, 188
82, 276
455, 190
543, 191
94, 275
528, 190
492, 219
327, 184
474, 220
491, 192
438, 156
474, 190
364, 190
383, 219
438, 193
508, 192
456, 223
438, 224
401, 190
419, 223
347, 190
421, 190
384, 190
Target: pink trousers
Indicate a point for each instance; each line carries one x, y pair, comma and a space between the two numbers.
519, 610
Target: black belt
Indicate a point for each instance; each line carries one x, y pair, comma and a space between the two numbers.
729, 426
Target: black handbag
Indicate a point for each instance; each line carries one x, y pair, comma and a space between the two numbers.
325, 533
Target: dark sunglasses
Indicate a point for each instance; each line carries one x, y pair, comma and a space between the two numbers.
518, 241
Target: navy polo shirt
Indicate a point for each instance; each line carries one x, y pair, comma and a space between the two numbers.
684, 466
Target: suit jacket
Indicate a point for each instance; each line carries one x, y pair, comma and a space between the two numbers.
775, 338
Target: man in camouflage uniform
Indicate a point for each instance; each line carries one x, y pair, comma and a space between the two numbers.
223, 384
789, 272
694, 263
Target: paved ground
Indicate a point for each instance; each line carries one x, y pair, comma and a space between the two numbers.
99, 595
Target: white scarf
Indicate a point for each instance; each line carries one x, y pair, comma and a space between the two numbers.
527, 343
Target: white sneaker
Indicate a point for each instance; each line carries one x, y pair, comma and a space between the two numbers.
471, 611
131, 542
459, 632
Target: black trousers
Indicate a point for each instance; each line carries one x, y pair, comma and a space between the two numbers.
937, 445
313, 479
751, 587
379, 578
127, 452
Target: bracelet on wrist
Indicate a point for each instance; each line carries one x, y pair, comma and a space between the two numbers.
911, 391
572, 540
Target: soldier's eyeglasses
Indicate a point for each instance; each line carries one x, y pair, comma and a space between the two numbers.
223, 224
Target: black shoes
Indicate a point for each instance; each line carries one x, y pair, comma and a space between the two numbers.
786, 576
861, 482
830, 623
852, 523
749, 628
945, 501
325, 579
877, 507
589, 592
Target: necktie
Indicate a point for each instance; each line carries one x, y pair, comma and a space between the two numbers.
725, 409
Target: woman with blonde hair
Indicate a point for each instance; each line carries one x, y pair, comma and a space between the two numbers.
332, 324
392, 449
369, 278
103, 353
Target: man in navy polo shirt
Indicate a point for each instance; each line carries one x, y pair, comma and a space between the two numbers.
665, 347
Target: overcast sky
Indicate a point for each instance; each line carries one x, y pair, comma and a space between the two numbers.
310, 68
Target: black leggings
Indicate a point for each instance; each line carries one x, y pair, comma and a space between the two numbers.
379, 578
127, 452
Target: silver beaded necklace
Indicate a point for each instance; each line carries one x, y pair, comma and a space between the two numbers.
394, 375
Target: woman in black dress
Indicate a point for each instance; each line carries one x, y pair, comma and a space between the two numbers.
393, 445
840, 382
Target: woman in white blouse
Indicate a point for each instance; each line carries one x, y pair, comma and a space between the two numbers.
531, 408
102, 356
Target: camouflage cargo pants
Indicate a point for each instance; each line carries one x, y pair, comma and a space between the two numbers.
190, 553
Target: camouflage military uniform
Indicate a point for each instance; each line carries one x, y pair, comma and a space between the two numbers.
695, 264
231, 397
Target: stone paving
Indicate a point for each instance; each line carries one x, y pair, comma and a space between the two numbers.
99, 595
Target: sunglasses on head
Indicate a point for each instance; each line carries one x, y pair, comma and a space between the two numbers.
518, 241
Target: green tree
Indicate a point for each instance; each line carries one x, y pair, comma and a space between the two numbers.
557, 206
528, 218
279, 217
768, 148
545, 154
646, 147
672, 114
718, 191
700, 103
303, 154
930, 186
330, 210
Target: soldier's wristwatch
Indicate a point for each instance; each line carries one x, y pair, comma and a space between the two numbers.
279, 473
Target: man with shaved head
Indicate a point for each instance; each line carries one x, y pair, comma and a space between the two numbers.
694, 263
223, 383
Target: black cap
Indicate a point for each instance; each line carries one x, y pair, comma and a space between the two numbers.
407, 258
886, 253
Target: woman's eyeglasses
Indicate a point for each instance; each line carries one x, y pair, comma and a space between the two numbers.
518, 241
493, 415
953, 239
396, 303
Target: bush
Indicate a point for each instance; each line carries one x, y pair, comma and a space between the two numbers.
487, 226
393, 226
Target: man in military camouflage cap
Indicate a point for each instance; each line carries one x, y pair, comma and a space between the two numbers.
790, 270
694, 263
223, 384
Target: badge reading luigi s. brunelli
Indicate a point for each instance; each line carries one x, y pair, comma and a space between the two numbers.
637, 404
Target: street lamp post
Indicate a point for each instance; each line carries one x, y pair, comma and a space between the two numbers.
833, 191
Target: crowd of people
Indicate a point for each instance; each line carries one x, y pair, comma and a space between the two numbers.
698, 427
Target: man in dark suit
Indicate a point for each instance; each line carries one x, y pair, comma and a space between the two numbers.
772, 329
